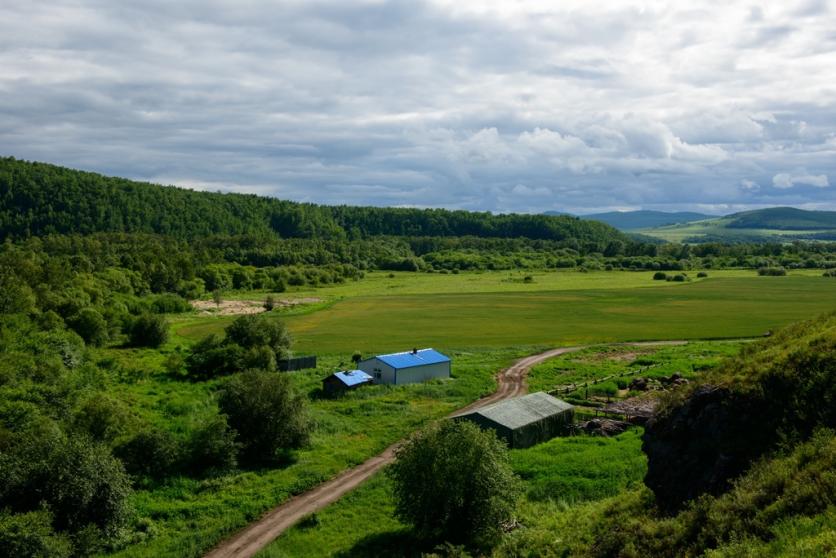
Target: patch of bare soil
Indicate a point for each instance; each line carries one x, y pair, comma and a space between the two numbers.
239, 307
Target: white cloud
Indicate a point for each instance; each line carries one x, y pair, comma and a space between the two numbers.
786, 180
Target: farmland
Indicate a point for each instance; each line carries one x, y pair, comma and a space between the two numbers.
191, 513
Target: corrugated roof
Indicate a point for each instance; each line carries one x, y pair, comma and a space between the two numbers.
517, 412
352, 377
409, 359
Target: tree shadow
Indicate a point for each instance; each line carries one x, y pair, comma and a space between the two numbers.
396, 544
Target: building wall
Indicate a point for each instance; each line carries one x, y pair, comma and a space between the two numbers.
380, 372
416, 374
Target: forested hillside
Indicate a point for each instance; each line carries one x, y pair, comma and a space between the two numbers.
783, 218
38, 199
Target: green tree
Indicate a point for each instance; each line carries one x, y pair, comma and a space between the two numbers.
90, 325
453, 481
269, 417
212, 447
148, 330
30, 535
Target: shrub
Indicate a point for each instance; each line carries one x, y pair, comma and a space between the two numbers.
78, 479
148, 330
212, 447
268, 416
702, 274
90, 325
269, 303
829, 273
771, 271
152, 453
660, 276
169, 303
256, 331
453, 481
102, 418
210, 357
679, 278
30, 535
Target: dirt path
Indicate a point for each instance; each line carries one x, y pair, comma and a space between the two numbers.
254, 537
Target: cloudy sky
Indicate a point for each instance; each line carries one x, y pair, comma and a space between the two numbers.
501, 106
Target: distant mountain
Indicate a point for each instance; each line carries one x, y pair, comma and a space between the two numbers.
761, 225
645, 219
783, 219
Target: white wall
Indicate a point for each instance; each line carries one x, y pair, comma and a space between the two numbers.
380, 372
417, 374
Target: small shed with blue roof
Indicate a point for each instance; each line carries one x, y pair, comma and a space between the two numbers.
339, 382
417, 365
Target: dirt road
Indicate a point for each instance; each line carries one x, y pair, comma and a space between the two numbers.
254, 537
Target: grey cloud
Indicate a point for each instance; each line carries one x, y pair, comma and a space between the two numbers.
421, 104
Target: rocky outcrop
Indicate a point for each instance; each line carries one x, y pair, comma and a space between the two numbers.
701, 444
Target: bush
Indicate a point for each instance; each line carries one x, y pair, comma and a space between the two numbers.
453, 481
660, 276
256, 331
702, 274
30, 535
80, 481
829, 273
212, 447
90, 325
680, 278
152, 453
268, 416
169, 303
102, 418
269, 303
210, 357
148, 330
771, 271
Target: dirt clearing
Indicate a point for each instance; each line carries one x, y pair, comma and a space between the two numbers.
238, 307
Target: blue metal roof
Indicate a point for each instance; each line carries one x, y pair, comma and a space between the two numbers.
352, 377
410, 359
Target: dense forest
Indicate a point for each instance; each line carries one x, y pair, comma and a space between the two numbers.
38, 199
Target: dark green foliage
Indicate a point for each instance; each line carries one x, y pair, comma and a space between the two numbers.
771, 271
169, 303
30, 535
150, 453
783, 218
252, 341
148, 330
90, 325
829, 273
259, 331
702, 274
211, 357
660, 276
452, 481
212, 447
269, 303
269, 417
102, 418
79, 480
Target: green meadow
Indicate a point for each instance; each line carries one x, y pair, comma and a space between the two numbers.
483, 330
712, 308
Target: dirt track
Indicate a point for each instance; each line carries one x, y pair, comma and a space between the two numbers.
254, 537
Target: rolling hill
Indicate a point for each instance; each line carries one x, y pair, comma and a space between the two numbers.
762, 225
645, 219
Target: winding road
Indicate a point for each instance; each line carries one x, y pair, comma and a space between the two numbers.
257, 535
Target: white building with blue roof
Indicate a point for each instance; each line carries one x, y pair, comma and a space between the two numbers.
417, 365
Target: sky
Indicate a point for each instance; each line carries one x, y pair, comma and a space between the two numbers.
515, 106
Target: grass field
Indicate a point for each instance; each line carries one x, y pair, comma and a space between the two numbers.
559, 473
187, 515
716, 229
482, 330
720, 307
